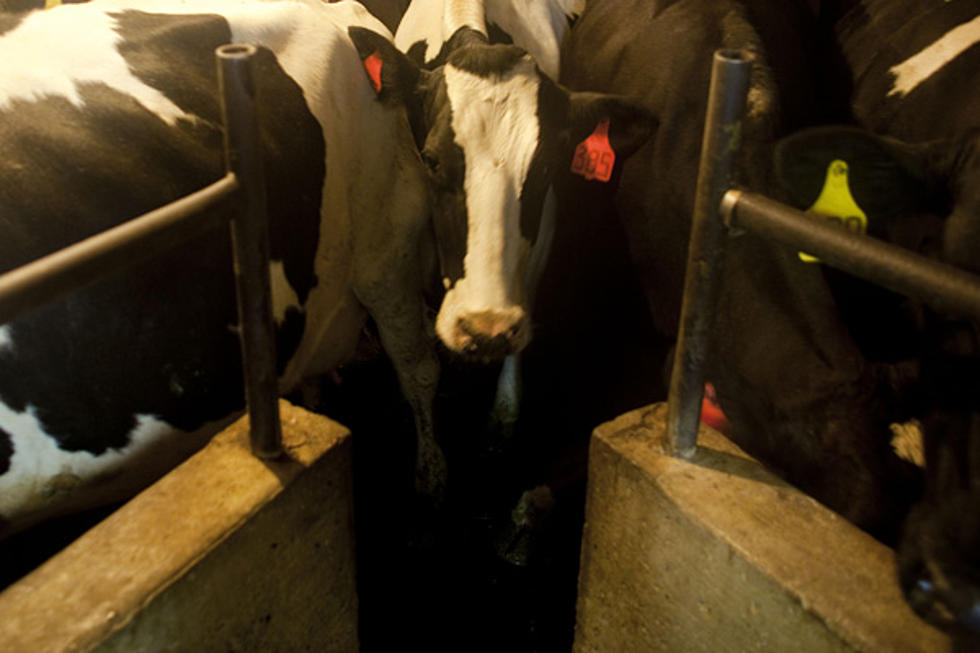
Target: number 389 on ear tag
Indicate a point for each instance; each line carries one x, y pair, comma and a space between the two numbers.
594, 157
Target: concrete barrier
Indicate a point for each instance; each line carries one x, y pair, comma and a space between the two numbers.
224, 553
717, 554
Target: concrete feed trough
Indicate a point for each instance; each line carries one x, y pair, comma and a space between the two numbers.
716, 553
224, 553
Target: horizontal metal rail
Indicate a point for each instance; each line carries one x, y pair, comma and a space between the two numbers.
113, 250
160, 230
718, 205
940, 285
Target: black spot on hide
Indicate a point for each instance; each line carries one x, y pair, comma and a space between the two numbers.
6, 451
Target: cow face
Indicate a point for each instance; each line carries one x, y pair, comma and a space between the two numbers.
924, 197
493, 130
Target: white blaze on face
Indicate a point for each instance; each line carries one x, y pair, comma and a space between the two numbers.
67, 47
495, 123
6, 340
920, 67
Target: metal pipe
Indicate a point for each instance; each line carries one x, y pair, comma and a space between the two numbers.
942, 286
722, 134
250, 240
113, 250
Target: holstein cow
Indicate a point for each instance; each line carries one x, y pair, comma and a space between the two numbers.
798, 391
110, 109
493, 128
910, 71
426, 34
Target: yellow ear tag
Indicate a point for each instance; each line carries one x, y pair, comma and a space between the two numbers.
51, 3
836, 204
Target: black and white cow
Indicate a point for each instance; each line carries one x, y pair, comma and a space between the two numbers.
490, 124
493, 128
426, 34
909, 72
799, 392
109, 109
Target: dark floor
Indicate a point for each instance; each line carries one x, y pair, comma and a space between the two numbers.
434, 579
468, 577
21, 553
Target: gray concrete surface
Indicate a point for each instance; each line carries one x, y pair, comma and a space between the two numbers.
717, 554
225, 553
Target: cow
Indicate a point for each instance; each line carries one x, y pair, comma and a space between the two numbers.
493, 127
494, 130
906, 73
795, 386
109, 109
426, 35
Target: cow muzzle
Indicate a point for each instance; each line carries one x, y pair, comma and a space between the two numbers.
491, 334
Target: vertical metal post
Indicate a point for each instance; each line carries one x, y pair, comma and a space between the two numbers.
722, 135
250, 239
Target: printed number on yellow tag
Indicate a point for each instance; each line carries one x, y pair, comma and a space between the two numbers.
836, 204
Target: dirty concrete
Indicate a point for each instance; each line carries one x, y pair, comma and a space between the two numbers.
716, 553
224, 553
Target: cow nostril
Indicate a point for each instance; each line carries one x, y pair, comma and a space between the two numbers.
489, 333
465, 326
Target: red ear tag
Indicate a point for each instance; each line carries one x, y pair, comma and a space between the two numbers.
373, 66
594, 157
711, 413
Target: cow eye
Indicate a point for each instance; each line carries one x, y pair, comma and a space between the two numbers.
431, 161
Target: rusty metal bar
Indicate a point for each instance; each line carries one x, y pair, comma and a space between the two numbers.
135, 241
250, 240
942, 286
726, 107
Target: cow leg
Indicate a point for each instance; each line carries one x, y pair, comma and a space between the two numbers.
386, 282
411, 349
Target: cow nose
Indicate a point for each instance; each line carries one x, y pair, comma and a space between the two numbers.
492, 334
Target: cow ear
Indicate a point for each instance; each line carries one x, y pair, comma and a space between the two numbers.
604, 129
885, 177
391, 73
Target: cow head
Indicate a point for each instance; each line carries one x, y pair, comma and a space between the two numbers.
493, 131
924, 197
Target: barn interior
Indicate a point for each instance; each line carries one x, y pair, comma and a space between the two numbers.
501, 566
573, 528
